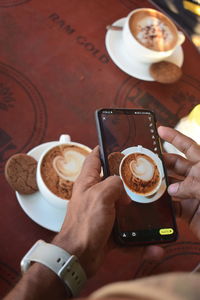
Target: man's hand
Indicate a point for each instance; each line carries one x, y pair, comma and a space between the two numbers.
90, 217
186, 172
91, 214
85, 232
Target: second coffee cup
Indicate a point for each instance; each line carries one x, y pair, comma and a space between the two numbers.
149, 36
58, 168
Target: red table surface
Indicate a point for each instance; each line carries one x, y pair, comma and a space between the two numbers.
54, 73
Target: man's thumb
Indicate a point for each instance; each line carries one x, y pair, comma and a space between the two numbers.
188, 188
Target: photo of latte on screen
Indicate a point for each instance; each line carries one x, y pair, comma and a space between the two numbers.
141, 172
132, 151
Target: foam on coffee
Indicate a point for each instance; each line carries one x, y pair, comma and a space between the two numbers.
140, 173
142, 168
153, 30
68, 165
60, 168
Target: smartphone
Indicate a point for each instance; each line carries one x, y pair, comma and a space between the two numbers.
130, 148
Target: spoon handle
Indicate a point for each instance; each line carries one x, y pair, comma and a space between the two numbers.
113, 27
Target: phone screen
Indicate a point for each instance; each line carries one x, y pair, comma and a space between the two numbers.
130, 148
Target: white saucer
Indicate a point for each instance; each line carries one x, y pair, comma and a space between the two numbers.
142, 199
36, 207
163, 186
133, 68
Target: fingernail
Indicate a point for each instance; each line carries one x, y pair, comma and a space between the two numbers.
173, 188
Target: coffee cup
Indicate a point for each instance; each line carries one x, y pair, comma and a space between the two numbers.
141, 172
149, 36
58, 168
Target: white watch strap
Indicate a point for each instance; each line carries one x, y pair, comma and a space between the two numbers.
65, 265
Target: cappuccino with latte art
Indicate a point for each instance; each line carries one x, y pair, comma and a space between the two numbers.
153, 30
60, 168
149, 36
140, 174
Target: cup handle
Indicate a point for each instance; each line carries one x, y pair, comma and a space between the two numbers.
65, 138
181, 38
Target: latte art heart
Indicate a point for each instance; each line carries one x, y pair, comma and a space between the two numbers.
68, 165
60, 168
142, 168
140, 173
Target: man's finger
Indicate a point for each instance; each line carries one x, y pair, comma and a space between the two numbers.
111, 188
195, 221
176, 163
153, 253
177, 208
189, 210
92, 166
186, 189
183, 143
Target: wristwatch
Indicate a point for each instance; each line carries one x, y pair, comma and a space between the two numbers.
65, 265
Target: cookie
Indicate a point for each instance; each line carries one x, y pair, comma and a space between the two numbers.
20, 172
165, 72
114, 160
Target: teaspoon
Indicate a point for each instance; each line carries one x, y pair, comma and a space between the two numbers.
114, 27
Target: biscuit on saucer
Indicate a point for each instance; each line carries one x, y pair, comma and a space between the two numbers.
20, 172
114, 160
165, 72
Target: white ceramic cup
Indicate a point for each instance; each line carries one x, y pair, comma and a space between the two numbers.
44, 190
141, 150
135, 50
